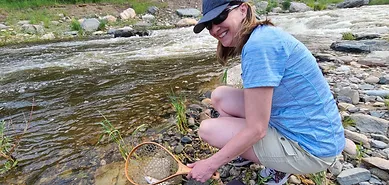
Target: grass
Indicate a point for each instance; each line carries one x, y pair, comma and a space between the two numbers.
6, 149
224, 77
8, 145
178, 103
75, 25
348, 121
348, 36
140, 6
318, 178
114, 135
378, 2
386, 101
360, 152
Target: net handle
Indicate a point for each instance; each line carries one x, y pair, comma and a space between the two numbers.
182, 169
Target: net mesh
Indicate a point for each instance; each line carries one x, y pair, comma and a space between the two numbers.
150, 163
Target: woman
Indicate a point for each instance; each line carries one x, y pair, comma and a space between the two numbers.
285, 117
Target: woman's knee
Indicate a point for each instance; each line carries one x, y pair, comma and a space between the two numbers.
206, 130
217, 96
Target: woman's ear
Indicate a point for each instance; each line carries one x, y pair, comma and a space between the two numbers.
243, 9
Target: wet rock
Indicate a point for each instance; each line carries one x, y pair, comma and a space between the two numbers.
188, 12
71, 33
372, 80
48, 36
362, 46
381, 93
186, 22
299, 7
261, 6
111, 174
90, 25
383, 80
294, 180
380, 137
32, 29
148, 17
152, 10
350, 147
110, 18
353, 176
370, 124
127, 32
377, 162
348, 92
3, 27
380, 173
366, 36
128, 14
186, 140
357, 137
378, 144
178, 149
206, 102
336, 168
352, 3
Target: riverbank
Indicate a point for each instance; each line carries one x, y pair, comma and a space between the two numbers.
53, 22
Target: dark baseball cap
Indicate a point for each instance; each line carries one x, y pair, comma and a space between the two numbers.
211, 9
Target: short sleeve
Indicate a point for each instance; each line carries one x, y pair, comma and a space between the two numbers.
264, 59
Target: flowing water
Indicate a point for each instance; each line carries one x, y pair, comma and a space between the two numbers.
128, 80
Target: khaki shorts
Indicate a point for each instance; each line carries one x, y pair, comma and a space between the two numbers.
277, 152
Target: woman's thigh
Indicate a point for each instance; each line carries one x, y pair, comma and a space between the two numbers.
219, 131
228, 101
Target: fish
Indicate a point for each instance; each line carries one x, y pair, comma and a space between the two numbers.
152, 180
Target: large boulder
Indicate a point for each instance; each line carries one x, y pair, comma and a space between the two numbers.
128, 14
352, 3
33, 29
90, 25
360, 46
189, 12
186, 22
299, 7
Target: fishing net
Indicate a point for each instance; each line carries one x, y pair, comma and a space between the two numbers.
149, 163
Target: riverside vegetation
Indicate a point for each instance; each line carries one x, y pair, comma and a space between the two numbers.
59, 17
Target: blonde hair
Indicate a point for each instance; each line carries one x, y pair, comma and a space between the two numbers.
249, 23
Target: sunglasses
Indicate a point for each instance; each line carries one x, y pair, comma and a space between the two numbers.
221, 17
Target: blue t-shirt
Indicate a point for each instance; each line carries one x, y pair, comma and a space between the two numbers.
303, 108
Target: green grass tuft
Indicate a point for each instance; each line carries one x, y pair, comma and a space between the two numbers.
75, 25
114, 135
224, 77
348, 36
178, 103
378, 2
318, 178
348, 121
286, 5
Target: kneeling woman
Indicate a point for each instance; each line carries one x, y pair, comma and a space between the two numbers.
285, 117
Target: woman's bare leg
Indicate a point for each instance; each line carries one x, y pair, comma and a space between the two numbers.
229, 102
218, 131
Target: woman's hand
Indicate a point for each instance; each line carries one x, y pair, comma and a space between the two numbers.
201, 170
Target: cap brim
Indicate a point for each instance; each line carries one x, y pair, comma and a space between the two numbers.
209, 16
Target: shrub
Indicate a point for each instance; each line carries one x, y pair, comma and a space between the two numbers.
75, 25
286, 5
348, 36
272, 4
102, 25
